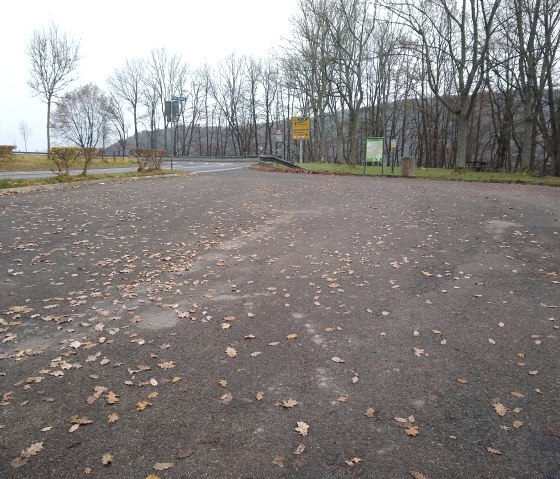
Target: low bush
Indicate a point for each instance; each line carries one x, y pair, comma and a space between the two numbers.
64, 157
148, 159
6, 152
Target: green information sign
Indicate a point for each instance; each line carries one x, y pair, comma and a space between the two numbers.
374, 151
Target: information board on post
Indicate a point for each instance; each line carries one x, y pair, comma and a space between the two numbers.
374, 152
301, 128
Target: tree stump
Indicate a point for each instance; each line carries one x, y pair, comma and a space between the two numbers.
408, 166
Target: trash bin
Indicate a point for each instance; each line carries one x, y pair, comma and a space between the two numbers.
408, 166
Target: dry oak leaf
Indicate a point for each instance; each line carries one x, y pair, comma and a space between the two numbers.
299, 449
353, 461
26, 454
226, 398
517, 424
342, 399
32, 450
226, 325
113, 417
153, 395
289, 403
162, 466
501, 410
78, 421
230, 318
336, 359
370, 412
107, 459
292, 336
408, 420
112, 398
231, 352
152, 476
167, 365
223, 383
302, 428
176, 379
418, 475
412, 431
183, 453
255, 354
141, 405
259, 396
516, 394
494, 451
462, 381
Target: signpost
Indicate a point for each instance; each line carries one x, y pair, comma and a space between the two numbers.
279, 138
172, 114
374, 152
393, 155
301, 130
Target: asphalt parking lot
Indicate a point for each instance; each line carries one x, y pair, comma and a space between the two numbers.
247, 324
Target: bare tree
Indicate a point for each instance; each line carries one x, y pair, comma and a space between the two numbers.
81, 116
117, 117
167, 77
462, 33
24, 131
54, 59
126, 84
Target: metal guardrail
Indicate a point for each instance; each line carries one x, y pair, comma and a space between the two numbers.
175, 158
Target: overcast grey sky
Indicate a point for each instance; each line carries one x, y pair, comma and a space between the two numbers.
109, 32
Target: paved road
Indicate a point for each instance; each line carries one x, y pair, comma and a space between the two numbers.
198, 166
265, 325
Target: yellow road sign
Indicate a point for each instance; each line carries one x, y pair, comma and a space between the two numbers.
300, 135
301, 123
301, 128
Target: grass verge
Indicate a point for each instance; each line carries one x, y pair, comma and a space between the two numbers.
41, 162
425, 173
9, 183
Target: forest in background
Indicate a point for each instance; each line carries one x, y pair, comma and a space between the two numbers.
476, 80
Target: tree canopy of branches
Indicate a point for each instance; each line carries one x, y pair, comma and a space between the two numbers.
54, 59
454, 84
82, 117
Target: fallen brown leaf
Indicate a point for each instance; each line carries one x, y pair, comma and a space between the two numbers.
302, 428
412, 431
112, 398
141, 405
493, 451
418, 475
501, 410
107, 459
167, 365
370, 412
289, 403
162, 466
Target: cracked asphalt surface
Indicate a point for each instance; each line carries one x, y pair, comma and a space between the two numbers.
162, 326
